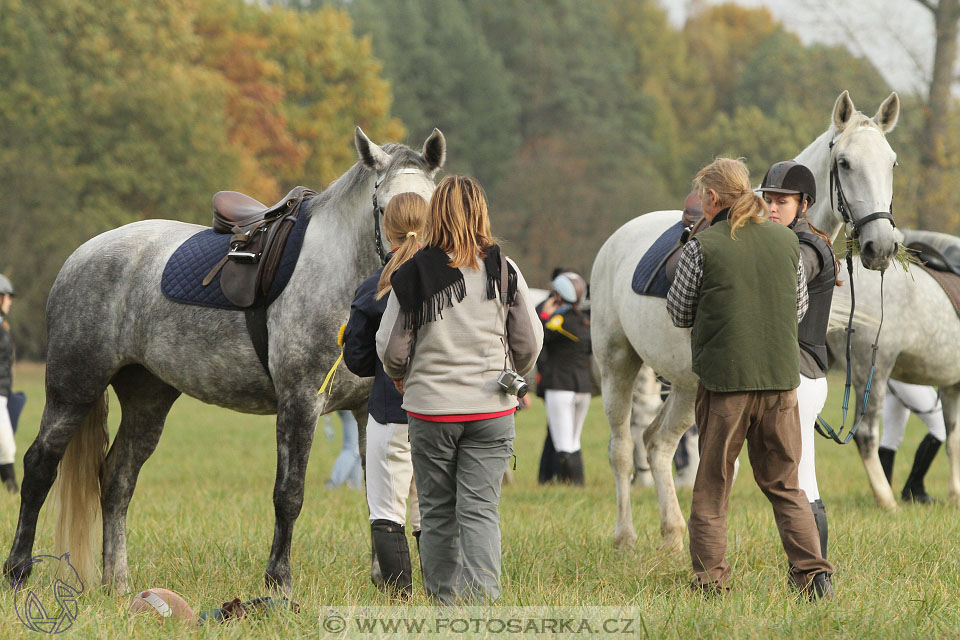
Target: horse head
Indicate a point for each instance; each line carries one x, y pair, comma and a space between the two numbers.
400, 169
861, 166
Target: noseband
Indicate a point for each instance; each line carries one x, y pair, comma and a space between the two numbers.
378, 211
843, 207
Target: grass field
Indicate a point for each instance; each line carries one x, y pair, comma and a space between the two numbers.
201, 523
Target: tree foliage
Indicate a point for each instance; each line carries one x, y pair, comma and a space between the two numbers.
114, 112
576, 116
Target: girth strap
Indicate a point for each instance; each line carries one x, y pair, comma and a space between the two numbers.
256, 318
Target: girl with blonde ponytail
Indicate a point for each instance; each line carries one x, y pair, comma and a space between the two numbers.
389, 466
403, 223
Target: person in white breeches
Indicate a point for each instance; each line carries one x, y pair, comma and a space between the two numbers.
901, 400
8, 446
566, 380
390, 481
789, 188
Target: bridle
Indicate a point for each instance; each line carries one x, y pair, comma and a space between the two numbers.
378, 210
822, 427
843, 208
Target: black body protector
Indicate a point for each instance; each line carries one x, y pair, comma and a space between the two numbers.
812, 330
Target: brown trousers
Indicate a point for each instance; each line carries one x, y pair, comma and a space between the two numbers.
770, 423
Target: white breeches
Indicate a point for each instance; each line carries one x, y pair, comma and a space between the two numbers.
390, 474
900, 400
8, 447
566, 411
811, 396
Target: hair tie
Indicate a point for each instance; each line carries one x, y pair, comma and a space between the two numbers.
411, 233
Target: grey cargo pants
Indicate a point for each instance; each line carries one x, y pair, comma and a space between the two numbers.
458, 468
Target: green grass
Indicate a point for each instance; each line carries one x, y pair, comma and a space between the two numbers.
201, 524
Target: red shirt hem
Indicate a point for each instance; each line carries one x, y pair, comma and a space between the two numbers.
463, 417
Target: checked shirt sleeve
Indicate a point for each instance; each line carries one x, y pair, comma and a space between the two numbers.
684, 293
803, 297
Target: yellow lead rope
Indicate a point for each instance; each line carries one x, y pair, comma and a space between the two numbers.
333, 370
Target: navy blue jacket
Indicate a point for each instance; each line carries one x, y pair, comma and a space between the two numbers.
360, 352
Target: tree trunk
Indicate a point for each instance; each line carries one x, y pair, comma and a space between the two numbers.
933, 154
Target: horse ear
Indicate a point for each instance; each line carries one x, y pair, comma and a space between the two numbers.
843, 110
370, 154
435, 150
888, 113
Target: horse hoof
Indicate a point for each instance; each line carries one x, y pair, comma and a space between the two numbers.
624, 539
671, 545
278, 584
686, 480
643, 479
887, 503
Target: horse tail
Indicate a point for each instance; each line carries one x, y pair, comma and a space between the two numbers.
79, 521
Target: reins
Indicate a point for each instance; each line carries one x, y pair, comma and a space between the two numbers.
822, 426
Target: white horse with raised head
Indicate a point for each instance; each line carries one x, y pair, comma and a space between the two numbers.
629, 330
919, 343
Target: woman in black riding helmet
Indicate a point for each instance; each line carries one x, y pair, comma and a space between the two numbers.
789, 189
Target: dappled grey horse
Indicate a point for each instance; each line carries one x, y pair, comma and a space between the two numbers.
629, 330
109, 324
919, 343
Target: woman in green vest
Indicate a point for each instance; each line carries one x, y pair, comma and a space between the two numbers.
740, 286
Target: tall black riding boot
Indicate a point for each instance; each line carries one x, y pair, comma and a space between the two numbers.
563, 466
9, 478
575, 465
548, 461
886, 461
914, 490
393, 553
820, 515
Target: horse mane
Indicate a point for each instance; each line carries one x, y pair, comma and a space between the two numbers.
857, 122
401, 156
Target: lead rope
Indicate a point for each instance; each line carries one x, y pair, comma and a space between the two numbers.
826, 431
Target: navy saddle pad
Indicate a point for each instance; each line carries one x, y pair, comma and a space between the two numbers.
647, 268
192, 261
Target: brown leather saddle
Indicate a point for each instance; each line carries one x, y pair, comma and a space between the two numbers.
260, 235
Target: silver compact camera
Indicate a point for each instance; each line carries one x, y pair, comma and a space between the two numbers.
513, 383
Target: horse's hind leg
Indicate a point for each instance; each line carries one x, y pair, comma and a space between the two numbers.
296, 418
951, 415
662, 438
618, 375
145, 401
646, 403
61, 419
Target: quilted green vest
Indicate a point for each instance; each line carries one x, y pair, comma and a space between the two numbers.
745, 329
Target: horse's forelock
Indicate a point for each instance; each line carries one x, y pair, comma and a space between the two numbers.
858, 121
401, 157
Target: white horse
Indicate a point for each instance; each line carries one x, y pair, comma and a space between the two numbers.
629, 330
918, 343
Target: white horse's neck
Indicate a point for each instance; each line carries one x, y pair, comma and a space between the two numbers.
816, 157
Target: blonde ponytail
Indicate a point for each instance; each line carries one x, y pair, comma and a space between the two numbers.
730, 179
403, 222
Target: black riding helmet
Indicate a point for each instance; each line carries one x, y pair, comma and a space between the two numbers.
790, 177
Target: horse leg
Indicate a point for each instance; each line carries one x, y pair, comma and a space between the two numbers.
662, 438
618, 375
145, 401
868, 442
296, 417
950, 397
60, 421
646, 403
